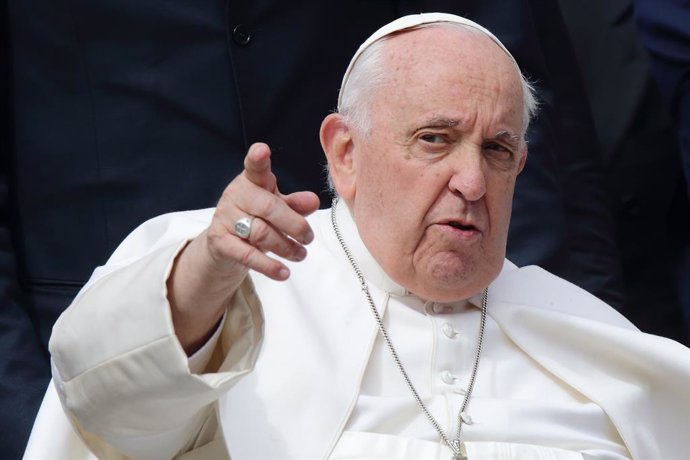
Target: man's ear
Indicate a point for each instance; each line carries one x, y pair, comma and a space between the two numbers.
337, 143
523, 157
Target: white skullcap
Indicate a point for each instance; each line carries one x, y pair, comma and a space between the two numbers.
414, 20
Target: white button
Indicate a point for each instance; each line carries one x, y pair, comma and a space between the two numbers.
447, 377
449, 331
466, 418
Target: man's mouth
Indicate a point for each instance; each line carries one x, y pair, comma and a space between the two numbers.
462, 226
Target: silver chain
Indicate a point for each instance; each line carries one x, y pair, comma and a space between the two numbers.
454, 444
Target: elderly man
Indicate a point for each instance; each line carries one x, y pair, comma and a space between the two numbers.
403, 334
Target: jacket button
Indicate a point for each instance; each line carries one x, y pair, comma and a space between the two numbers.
241, 35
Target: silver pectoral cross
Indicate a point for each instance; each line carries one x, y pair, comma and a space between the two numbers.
458, 451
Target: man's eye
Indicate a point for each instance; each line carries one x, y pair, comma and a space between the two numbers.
496, 147
433, 138
499, 149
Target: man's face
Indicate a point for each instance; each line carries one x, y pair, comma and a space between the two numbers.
434, 177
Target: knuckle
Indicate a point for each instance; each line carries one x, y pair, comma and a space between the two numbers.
222, 253
264, 205
246, 255
217, 215
225, 196
214, 240
283, 249
215, 235
230, 190
303, 226
214, 230
260, 232
297, 252
288, 246
274, 267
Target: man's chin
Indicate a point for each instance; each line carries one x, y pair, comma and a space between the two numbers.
451, 279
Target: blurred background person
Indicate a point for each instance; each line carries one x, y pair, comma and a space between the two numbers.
640, 157
665, 33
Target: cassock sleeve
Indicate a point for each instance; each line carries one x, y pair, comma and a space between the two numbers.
122, 377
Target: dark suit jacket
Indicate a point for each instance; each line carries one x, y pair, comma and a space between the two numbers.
125, 110
665, 33
640, 155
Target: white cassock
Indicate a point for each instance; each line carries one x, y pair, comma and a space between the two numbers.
304, 374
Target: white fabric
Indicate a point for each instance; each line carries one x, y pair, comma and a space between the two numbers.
534, 408
52, 435
363, 446
132, 392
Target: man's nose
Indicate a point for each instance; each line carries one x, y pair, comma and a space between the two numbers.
467, 175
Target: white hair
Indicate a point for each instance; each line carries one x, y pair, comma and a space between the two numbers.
368, 73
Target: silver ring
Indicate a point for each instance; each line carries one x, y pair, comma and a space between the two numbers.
243, 227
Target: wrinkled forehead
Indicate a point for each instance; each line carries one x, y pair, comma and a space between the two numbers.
410, 22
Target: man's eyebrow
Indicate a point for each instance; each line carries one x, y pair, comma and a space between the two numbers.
507, 136
437, 122
443, 122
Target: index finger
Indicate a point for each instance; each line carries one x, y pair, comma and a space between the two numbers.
257, 167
